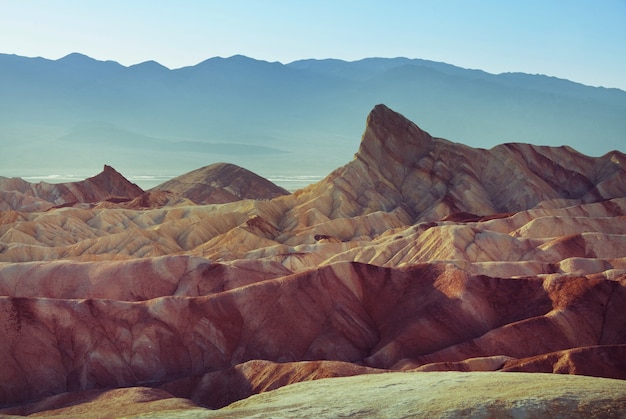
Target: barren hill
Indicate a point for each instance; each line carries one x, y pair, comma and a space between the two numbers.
418, 255
17, 194
220, 183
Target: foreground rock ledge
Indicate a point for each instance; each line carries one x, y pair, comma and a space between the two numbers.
445, 394
415, 394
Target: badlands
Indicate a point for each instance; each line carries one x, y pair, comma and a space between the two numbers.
424, 278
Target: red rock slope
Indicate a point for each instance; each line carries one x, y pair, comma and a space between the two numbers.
420, 254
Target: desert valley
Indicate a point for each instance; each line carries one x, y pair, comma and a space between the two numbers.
422, 278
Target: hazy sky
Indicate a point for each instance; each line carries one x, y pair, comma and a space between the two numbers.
582, 40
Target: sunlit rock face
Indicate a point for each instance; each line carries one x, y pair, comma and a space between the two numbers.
398, 164
420, 255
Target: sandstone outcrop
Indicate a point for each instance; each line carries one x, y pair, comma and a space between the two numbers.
419, 255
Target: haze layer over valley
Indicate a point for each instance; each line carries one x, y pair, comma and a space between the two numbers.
414, 261
292, 123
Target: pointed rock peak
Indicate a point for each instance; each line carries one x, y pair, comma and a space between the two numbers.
112, 180
390, 138
382, 111
383, 117
110, 171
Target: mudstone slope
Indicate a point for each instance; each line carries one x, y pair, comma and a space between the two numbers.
220, 183
420, 255
215, 184
109, 185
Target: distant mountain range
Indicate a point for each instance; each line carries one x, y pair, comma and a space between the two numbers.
75, 114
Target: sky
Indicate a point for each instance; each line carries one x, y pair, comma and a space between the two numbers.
580, 40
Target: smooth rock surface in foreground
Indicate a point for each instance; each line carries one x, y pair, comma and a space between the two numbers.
432, 395
447, 394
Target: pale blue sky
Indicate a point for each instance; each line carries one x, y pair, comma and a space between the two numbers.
581, 40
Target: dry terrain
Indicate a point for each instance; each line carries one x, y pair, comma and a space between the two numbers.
458, 270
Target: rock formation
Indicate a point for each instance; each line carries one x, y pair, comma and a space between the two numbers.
388, 395
108, 185
419, 255
216, 184
399, 165
440, 395
220, 183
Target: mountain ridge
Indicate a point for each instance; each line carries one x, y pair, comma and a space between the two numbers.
300, 110
303, 63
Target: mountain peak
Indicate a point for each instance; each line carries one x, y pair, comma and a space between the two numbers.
76, 58
108, 171
107, 185
82, 62
220, 183
150, 65
113, 182
399, 165
391, 139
